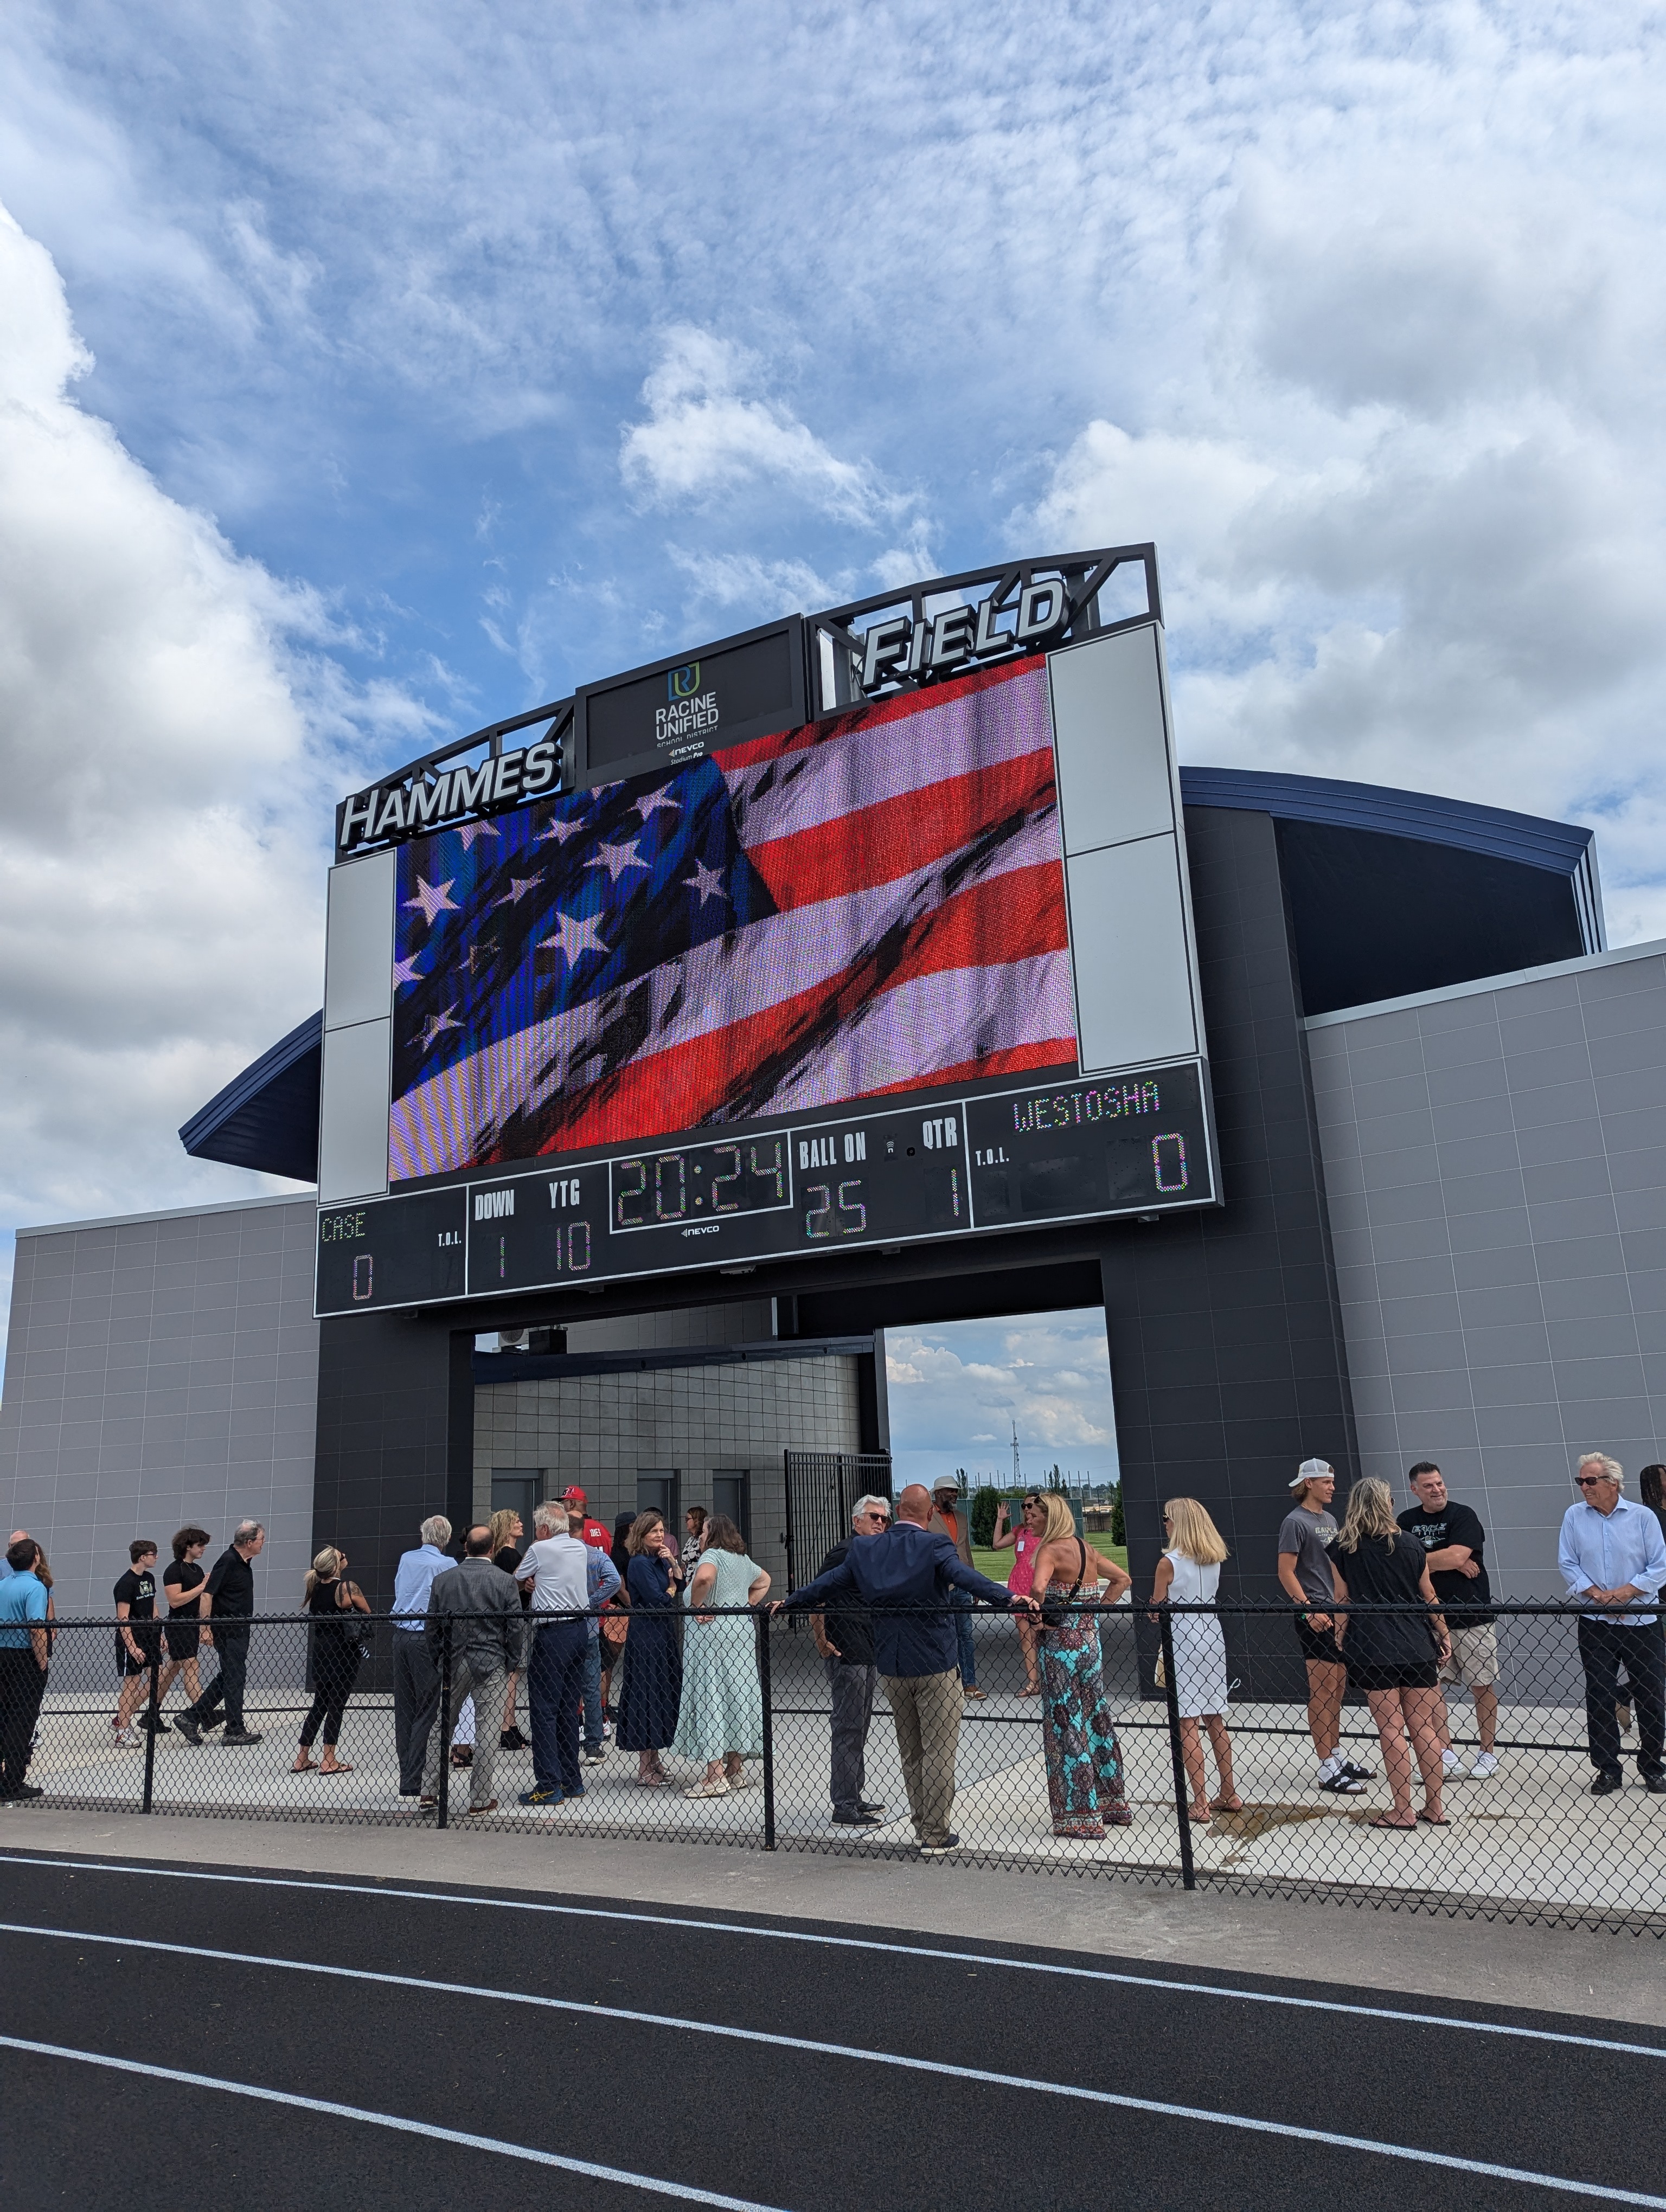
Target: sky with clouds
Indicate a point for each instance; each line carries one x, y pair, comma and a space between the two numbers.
363, 378
959, 1392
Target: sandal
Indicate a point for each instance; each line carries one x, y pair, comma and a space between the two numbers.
1384, 1821
341, 1767
1233, 1804
1198, 1815
1430, 1820
305, 1766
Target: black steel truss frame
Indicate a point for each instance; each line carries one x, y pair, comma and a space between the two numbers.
1084, 575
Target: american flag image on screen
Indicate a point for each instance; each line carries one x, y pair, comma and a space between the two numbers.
872, 903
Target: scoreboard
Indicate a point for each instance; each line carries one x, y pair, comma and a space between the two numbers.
826, 937
1007, 1159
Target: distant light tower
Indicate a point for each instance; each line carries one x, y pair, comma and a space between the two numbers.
1018, 1479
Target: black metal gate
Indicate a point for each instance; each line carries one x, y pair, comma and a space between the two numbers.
822, 1490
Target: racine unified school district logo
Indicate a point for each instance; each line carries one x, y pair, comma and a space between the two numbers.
684, 726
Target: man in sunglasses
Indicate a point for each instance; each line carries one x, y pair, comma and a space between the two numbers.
903, 1577
1611, 1555
845, 1640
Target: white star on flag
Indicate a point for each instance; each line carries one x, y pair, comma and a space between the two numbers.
709, 882
433, 899
406, 971
560, 830
649, 803
519, 887
615, 859
437, 1023
471, 830
574, 933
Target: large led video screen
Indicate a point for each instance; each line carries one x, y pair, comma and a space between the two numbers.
871, 904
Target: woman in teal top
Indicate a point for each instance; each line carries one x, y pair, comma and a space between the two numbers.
721, 1717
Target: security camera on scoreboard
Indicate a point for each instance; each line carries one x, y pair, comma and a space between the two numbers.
873, 927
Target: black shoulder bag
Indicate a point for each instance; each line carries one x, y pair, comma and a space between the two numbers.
1055, 1610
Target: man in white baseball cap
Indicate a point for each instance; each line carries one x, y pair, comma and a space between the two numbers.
1308, 1579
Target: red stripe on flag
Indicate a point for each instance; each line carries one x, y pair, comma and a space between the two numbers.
1054, 1053
895, 708
877, 844
1012, 918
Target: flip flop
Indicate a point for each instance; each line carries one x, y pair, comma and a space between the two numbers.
1403, 1827
1234, 1804
1431, 1821
341, 1767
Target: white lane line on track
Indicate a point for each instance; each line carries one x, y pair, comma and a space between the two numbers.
427, 2129
860, 1943
1285, 2131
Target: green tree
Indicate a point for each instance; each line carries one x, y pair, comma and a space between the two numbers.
985, 1499
1118, 1533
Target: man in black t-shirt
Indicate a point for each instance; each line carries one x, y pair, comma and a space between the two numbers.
1454, 1544
845, 1640
136, 1647
227, 1605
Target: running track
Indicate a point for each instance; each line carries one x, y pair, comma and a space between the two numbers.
175, 2035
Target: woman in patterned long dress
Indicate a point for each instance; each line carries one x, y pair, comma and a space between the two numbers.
1086, 1785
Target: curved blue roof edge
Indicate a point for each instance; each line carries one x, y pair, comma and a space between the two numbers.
243, 1089
1527, 839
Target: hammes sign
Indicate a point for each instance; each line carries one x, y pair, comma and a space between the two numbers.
395, 810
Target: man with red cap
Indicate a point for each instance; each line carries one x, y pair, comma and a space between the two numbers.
579, 1522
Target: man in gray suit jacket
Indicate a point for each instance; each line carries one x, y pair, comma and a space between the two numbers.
480, 1606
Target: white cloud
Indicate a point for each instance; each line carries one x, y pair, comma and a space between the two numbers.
704, 436
172, 736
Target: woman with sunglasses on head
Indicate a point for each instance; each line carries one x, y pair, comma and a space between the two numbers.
335, 1606
1023, 1540
1394, 1656
1086, 1783
1189, 1573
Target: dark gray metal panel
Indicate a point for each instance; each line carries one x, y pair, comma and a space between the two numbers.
1227, 1359
395, 1439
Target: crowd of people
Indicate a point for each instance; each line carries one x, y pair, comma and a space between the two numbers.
1393, 1605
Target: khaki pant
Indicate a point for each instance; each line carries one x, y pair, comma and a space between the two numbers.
927, 1710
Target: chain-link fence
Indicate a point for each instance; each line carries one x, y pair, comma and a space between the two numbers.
1220, 1748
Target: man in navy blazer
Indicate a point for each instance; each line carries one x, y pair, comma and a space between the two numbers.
905, 1578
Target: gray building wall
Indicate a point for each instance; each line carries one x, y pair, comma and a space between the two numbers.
599, 1430
1495, 1168
161, 1369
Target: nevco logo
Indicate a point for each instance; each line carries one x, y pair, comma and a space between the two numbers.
899, 646
393, 810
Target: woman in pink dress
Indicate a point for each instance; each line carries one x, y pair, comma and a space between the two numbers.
1024, 1541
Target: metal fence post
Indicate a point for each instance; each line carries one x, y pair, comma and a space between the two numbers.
1172, 1695
152, 1716
443, 1721
766, 1696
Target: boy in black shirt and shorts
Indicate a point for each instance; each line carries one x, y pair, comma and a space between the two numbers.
182, 1586
1306, 1575
136, 1647
1453, 1539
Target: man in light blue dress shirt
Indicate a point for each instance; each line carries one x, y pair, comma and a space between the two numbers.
416, 1677
1611, 1555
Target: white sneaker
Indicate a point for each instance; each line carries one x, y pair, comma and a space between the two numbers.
126, 1739
1486, 1764
1450, 1762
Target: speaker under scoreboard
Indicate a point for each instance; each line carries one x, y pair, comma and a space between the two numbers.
767, 983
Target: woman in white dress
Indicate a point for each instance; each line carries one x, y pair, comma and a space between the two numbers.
1189, 1573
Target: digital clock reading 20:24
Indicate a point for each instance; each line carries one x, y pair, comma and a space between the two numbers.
1137, 1143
